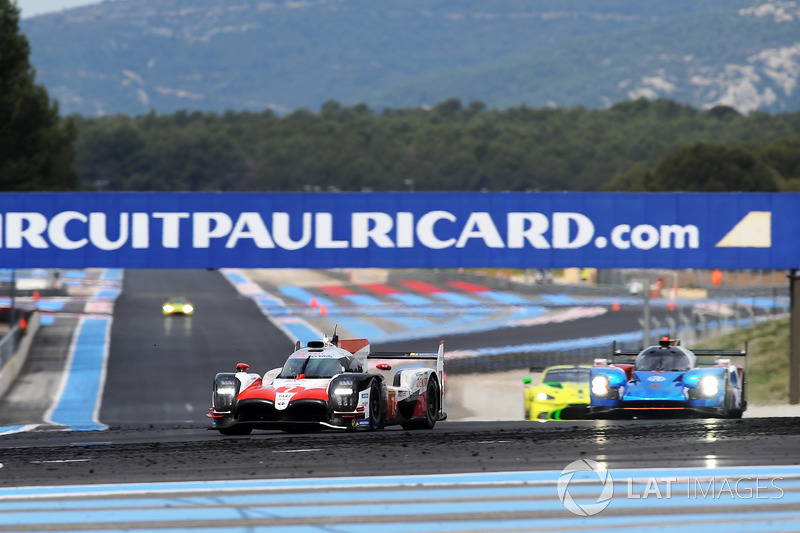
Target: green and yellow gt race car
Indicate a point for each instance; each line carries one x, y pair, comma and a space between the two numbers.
562, 394
177, 305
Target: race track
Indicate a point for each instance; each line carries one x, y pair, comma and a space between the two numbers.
160, 368
156, 392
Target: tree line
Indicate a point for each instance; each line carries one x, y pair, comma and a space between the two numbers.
36, 143
637, 145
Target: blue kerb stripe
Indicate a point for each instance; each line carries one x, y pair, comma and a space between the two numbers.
569, 344
727, 523
457, 299
79, 400
432, 509
468, 321
236, 278
168, 513
359, 327
325, 483
75, 274
410, 322
364, 300
411, 299
680, 490
108, 293
50, 305
46, 320
114, 274
302, 295
504, 297
559, 299
299, 330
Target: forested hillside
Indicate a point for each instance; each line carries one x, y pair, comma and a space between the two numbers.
133, 56
638, 145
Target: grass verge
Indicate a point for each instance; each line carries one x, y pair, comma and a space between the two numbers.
767, 359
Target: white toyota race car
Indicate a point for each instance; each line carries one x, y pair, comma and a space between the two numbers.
332, 383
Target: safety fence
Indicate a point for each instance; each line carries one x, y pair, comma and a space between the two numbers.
727, 312
13, 334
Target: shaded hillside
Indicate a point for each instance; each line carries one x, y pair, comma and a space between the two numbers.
741, 58
130, 56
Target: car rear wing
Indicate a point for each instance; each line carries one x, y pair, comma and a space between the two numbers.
628, 356
618, 356
383, 362
718, 357
434, 360
720, 353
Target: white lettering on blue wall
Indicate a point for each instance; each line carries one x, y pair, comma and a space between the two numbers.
436, 230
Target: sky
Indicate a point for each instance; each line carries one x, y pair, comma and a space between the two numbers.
31, 8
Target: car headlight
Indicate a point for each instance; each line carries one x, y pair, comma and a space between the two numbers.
168, 308
226, 388
188, 308
543, 396
709, 386
600, 386
343, 395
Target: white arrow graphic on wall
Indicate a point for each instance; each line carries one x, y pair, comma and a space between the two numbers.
753, 231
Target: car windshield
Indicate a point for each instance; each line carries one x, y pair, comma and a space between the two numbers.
311, 367
570, 375
663, 360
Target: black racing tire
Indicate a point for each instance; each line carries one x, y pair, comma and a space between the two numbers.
432, 406
376, 405
236, 430
730, 410
735, 414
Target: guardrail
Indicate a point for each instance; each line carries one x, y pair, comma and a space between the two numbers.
14, 348
8, 345
515, 361
723, 311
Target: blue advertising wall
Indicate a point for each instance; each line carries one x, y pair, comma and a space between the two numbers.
400, 230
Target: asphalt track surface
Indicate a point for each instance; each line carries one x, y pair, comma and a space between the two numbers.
160, 368
163, 453
158, 386
622, 321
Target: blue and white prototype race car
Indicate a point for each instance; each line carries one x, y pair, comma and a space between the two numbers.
668, 380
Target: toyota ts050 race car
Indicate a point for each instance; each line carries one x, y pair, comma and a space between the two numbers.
334, 384
669, 380
562, 394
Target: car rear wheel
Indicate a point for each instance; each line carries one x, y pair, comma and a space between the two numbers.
375, 407
431, 407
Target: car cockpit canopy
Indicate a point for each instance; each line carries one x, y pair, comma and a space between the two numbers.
668, 356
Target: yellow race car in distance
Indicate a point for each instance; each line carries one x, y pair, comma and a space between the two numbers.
177, 305
562, 394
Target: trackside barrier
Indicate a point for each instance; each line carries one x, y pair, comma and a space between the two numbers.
14, 348
581, 356
515, 361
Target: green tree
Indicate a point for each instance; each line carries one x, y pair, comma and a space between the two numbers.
36, 145
712, 168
